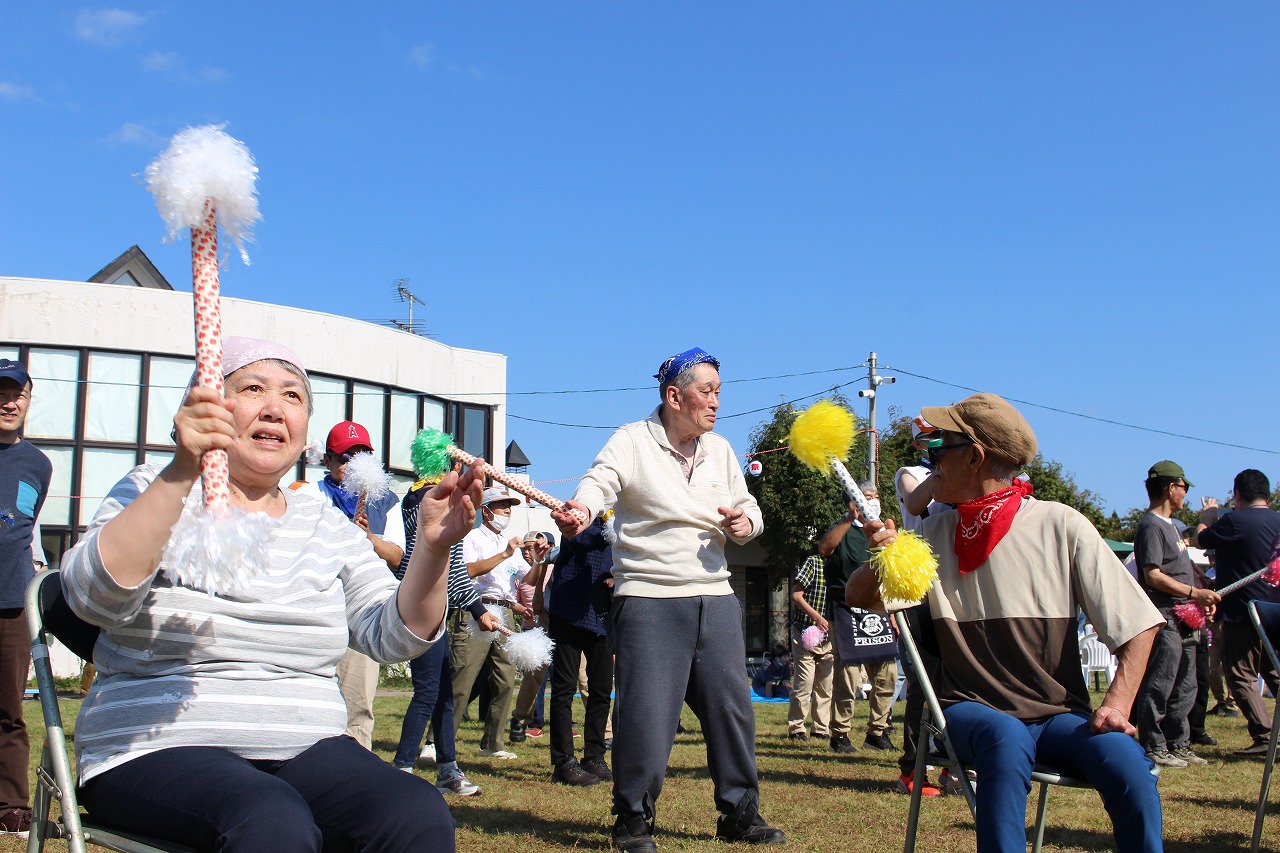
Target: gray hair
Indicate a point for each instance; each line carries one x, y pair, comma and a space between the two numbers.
681, 380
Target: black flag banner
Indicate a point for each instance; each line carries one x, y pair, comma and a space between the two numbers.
863, 637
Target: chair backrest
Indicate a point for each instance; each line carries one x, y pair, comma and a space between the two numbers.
1266, 620
57, 618
1094, 654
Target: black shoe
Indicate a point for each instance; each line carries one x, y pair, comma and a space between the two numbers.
633, 834
800, 736
1222, 710
1258, 747
571, 773
596, 767
878, 742
1204, 739
840, 744
746, 825
518, 733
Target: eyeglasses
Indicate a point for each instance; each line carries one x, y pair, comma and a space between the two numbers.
936, 452
1182, 486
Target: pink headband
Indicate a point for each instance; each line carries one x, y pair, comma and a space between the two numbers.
240, 352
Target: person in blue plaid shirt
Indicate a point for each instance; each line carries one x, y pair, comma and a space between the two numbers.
811, 669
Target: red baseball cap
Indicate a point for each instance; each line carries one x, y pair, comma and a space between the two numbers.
347, 435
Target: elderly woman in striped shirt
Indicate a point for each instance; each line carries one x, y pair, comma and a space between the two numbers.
216, 720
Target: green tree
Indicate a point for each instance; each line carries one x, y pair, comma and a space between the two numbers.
798, 504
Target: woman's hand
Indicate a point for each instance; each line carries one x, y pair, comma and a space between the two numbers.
203, 423
448, 509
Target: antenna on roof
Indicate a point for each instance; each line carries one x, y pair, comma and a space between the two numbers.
404, 294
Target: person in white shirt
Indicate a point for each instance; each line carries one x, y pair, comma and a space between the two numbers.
495, 561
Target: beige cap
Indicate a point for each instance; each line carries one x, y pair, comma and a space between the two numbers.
990, 421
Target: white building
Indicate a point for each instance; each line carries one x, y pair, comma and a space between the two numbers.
110, 359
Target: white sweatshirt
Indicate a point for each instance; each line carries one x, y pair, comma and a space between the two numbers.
670, 542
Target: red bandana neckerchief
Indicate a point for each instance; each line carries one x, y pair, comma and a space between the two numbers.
984, 522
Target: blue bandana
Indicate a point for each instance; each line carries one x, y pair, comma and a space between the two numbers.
677, 364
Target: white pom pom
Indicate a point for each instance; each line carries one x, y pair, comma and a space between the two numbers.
529, 651
205, 163
217, 554
473, 627
609, 533
364, 475
315, 452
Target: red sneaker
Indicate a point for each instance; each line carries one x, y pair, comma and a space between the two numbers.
927, 790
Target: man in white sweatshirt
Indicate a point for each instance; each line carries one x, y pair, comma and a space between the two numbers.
678, 494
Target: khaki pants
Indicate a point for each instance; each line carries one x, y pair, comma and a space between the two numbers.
884, 683
469, 653
812, 671
358, 681
586, 694
844, 690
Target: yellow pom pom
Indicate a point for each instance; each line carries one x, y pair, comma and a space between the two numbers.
907, 567
822, 431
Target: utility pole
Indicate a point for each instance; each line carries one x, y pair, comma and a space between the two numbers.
874, 381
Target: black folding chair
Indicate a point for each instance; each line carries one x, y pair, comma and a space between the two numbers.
1266, 621
48, 613
934, 724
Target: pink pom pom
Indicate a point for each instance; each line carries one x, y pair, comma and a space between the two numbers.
1191, 614
812, 637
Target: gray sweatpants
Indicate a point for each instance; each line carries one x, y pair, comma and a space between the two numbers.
1167, 693
671, 651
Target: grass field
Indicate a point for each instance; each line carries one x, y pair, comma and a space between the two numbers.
824, 802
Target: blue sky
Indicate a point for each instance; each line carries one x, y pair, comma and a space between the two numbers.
1073, 205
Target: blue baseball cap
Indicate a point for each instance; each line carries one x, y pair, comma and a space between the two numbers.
10, 369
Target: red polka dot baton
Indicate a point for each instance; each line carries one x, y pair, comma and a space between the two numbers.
203, 179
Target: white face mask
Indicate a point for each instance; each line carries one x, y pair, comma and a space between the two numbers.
874, 503
500, 522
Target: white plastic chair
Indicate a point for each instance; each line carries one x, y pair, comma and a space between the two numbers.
1095, 657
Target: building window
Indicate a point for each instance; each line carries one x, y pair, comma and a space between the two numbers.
166, 386
112, 395
56, 381
404, 427
755, 606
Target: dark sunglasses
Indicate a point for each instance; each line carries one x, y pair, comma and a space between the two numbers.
935, 453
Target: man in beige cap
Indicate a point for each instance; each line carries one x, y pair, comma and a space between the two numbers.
1012, 573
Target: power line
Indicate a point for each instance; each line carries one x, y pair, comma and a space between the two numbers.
718, 417
1082, 416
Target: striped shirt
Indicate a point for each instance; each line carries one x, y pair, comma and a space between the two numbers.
463, 594
252, 673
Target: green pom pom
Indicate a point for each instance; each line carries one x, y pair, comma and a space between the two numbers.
430, 453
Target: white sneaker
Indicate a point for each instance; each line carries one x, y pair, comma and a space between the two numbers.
428, 752
500, 753
406, 769
457, 783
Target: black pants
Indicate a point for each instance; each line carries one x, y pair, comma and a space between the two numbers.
1200, 707
572, 643
335, 796
15, 659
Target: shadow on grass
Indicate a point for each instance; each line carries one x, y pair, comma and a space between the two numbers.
496, 818
1086, 839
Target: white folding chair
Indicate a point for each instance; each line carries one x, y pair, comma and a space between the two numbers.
1266, 621
47, 611
934, 723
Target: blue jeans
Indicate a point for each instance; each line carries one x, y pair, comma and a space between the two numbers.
432, 701
1003, 750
